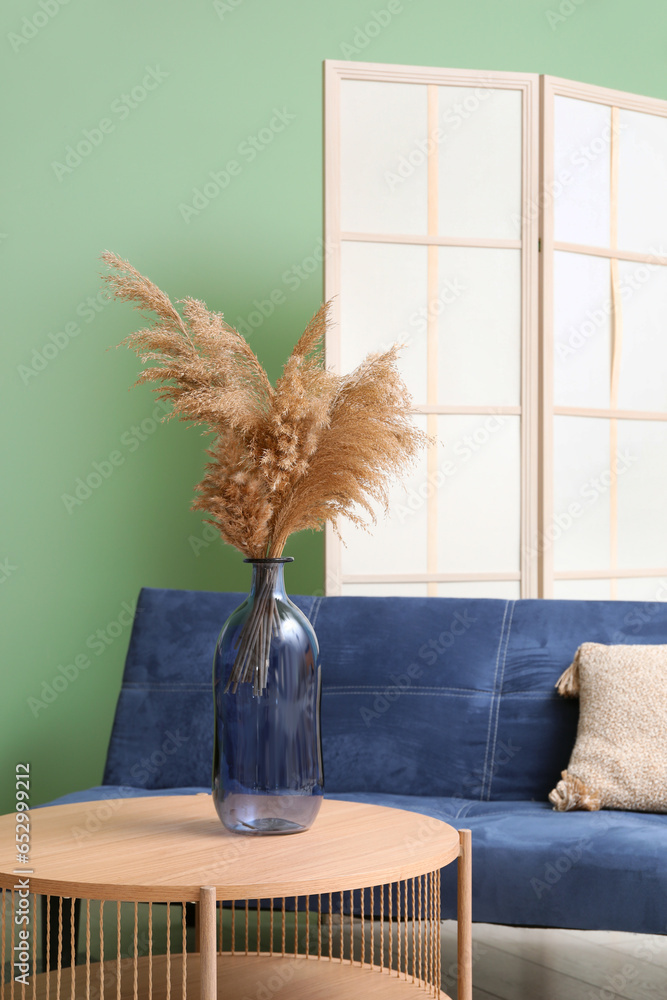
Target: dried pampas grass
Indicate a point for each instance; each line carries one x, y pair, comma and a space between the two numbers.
312, 449
315, 447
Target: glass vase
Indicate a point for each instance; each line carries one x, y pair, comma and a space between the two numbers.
267, 767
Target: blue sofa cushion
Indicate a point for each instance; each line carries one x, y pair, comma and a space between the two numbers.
603, 870
447, 697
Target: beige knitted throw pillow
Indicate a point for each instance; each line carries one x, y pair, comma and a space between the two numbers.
619, 760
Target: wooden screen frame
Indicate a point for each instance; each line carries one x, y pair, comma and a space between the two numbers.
550, 88
528, 84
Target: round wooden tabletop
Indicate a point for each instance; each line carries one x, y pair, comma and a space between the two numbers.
164, 848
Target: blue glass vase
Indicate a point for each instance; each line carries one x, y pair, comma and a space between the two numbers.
267, 767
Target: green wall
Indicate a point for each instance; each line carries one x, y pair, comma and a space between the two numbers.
216, 74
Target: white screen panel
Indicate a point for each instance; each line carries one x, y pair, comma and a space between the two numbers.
479, 326
643, 375
645, 588
582, 590
384, 590
505, 589
383, 300
398, 542
479, 162
479, 501
642, 494
642, 182
580, 531
582, 159
382, 158
582, 330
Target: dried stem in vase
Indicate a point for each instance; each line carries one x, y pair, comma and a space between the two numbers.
317, 447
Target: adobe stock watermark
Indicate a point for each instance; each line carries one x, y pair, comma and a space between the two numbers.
453, 119
628, 981
32, 25
22, 960
247, 152
589, 493
66, 674
7, 569
225, 7
41, 357
478, 781
635, 620
199, 543
428, 830
291, 279
331, 580
121, 108
104, 468
596, 319
554, 869
148, 767
464, 449
566, 8
428, 653
451, 974
580, 160
378, 22
450, 289
97, 815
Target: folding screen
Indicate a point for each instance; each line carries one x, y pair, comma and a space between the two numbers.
604, 493
545, 394
428, 175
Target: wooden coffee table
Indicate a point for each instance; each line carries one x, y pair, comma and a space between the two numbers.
365, 880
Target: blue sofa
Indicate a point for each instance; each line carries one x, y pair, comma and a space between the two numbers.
443, 706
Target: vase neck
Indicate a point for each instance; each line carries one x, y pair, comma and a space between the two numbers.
268, 576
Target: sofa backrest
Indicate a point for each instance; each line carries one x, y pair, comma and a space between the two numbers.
420, 696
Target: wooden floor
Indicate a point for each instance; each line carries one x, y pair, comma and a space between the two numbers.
529, 963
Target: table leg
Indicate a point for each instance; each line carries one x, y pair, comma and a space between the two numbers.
464, 916
208, 950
